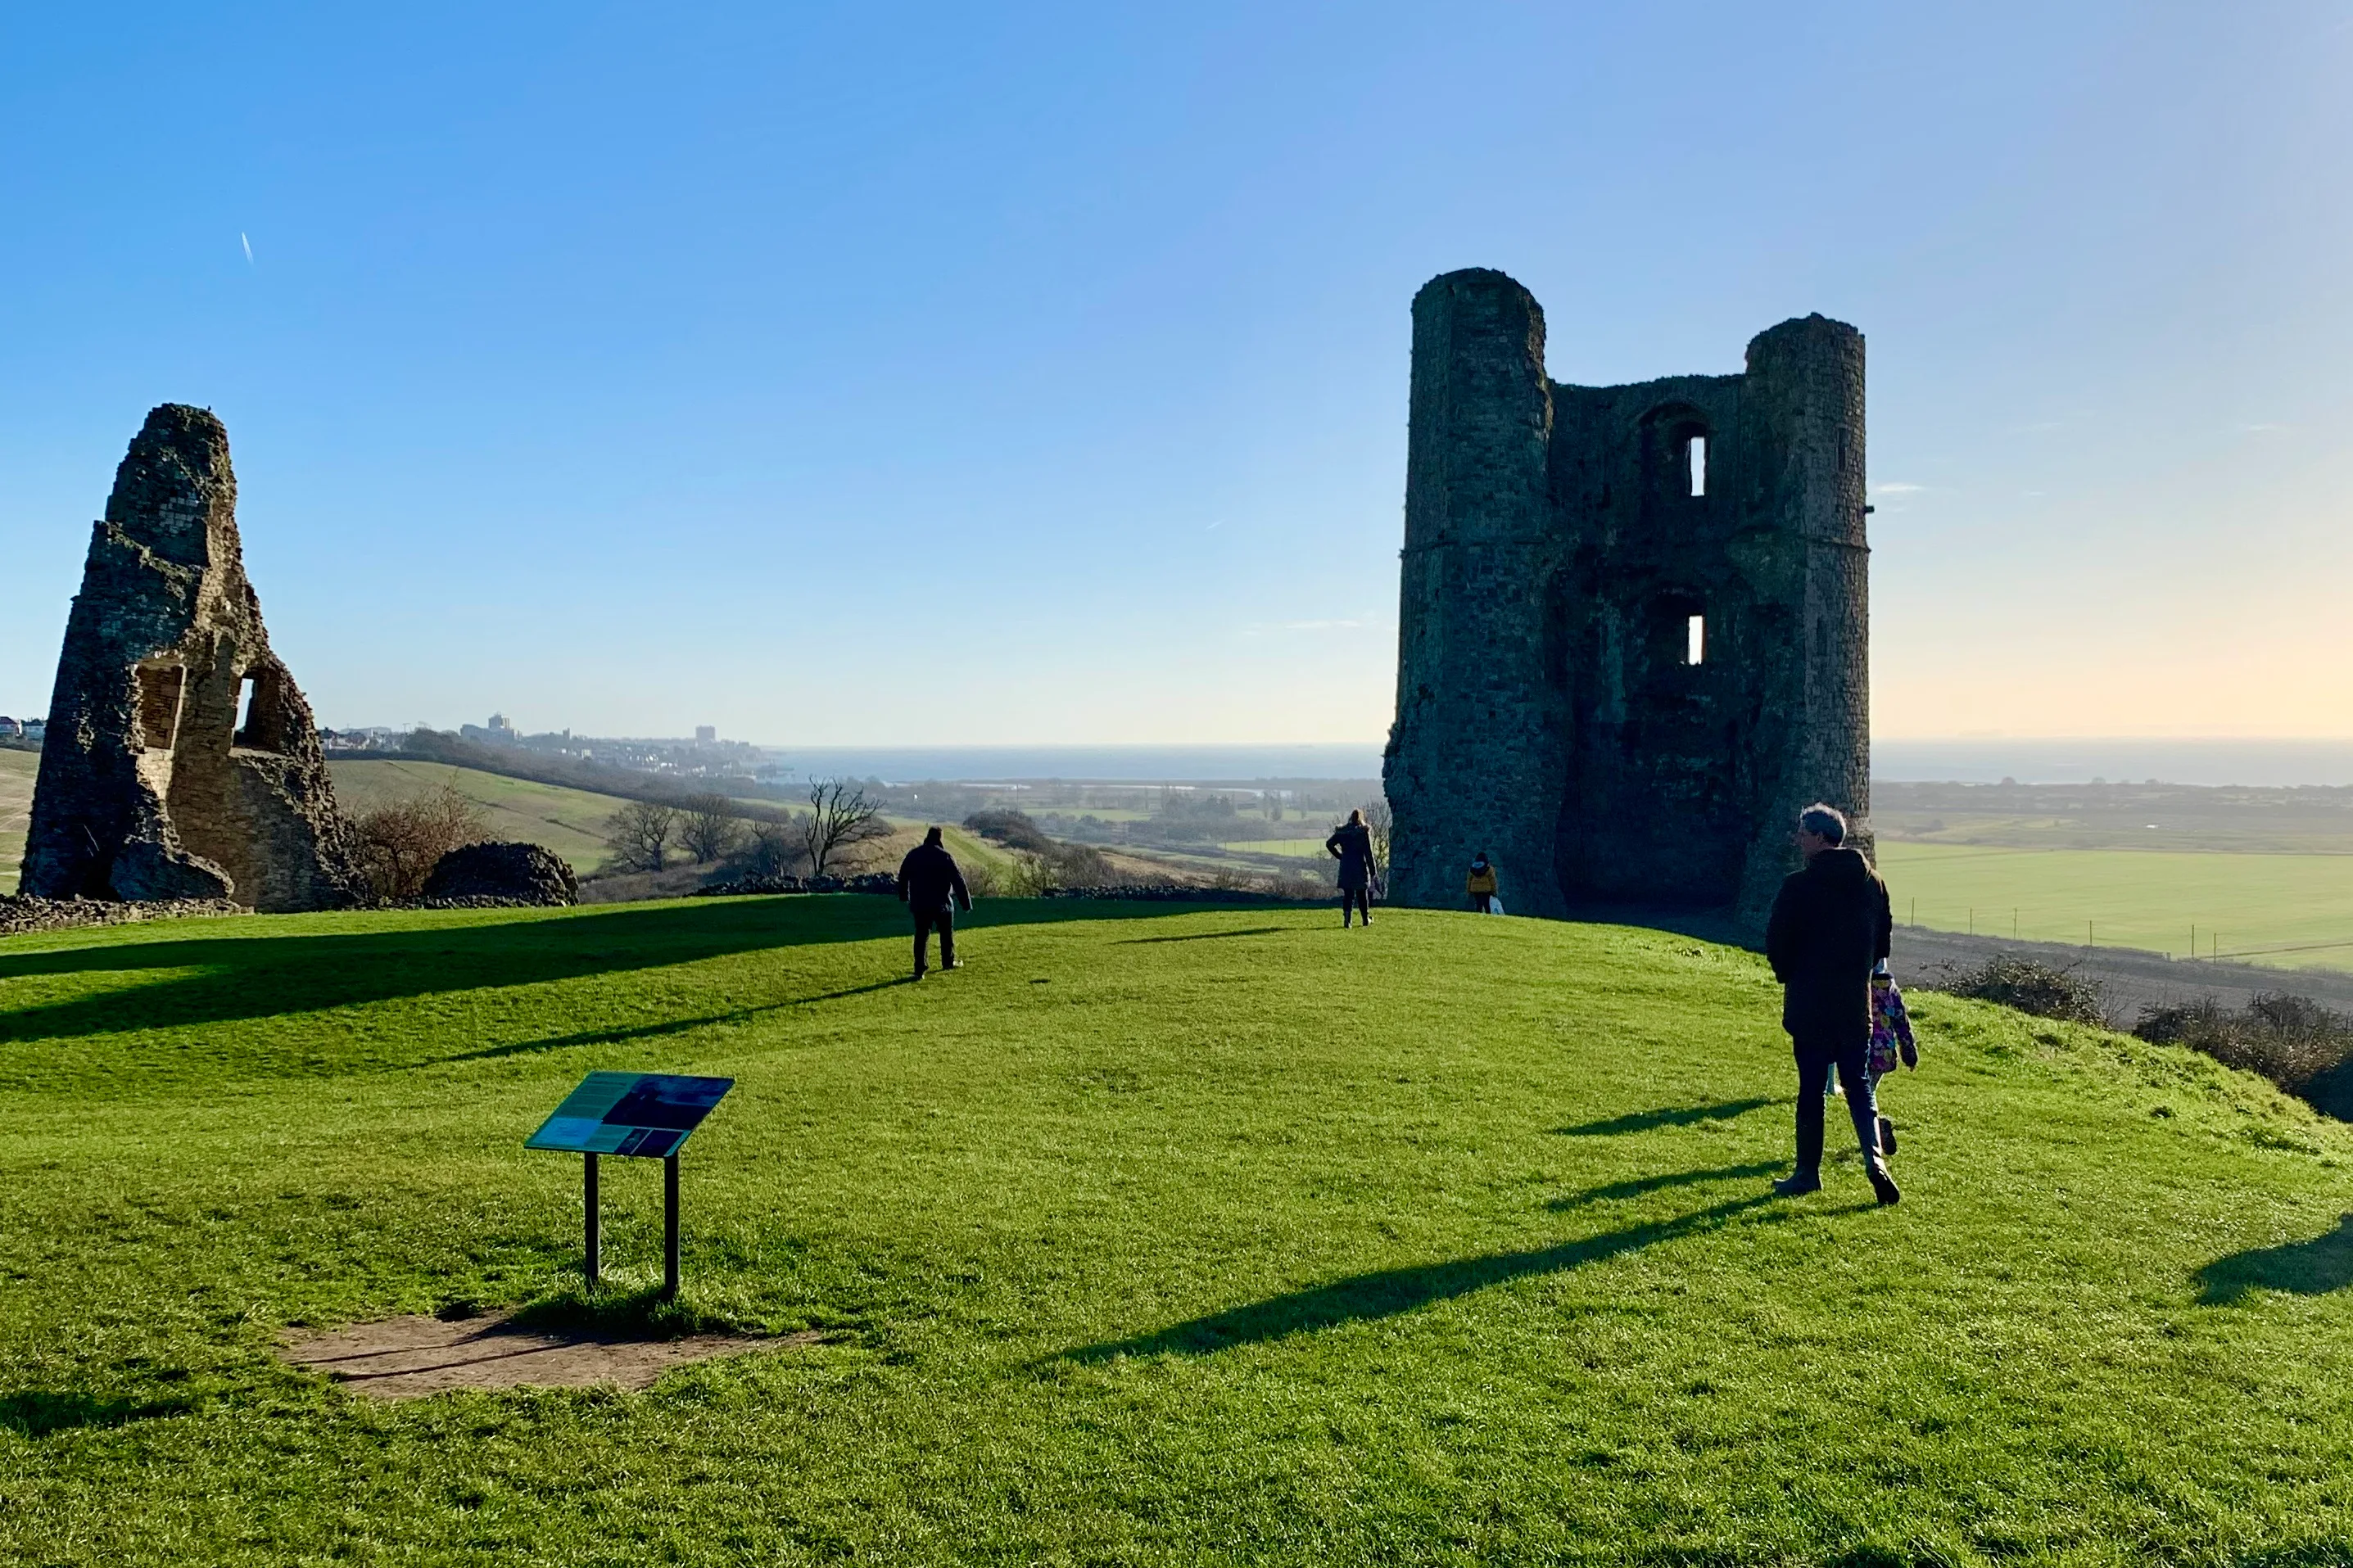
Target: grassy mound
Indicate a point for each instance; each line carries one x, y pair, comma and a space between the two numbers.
1157, 1235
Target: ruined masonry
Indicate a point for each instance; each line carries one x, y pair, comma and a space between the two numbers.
181, 762
1633, 631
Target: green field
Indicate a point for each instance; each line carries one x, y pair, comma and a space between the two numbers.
571, 822
2288, 909
1299, 849
1157, 1237
17, 772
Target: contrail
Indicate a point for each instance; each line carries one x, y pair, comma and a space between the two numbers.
248, 246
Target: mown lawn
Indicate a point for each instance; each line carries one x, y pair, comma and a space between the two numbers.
2287, 909
1157, 1235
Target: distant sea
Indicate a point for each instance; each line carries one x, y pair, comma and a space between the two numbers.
1968, 760
2276, 763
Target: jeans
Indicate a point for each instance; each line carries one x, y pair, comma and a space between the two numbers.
943, 919
1814, 1064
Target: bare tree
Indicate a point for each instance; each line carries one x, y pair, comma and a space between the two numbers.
708, 827
840, 819
774, 848
639, 834
401, 843
1381, 823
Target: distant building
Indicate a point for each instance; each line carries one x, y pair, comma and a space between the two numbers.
9, 727
33, 728
497, 733
706, 735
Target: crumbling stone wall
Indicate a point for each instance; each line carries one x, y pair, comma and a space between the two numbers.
1557, 551
181, 761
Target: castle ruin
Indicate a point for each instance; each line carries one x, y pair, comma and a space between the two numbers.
181, 761
1634, 633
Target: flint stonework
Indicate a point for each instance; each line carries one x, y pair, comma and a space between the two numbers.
1569, 550
181, 761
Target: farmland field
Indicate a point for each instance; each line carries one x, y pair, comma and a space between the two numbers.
2289, 910
571, 822
1300, 849
17, 772
1159, 1236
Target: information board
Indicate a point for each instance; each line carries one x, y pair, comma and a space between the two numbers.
648, 1114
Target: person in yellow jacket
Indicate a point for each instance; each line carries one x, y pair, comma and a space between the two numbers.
1481, 885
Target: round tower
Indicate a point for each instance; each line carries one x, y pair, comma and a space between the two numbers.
1805, 403
1477, 760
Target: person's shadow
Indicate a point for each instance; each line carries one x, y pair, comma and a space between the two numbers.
1364, 1298
2311, 1267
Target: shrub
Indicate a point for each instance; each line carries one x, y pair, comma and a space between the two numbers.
1013, 829
2292, 1040
401, 843
2031, 987
982, 881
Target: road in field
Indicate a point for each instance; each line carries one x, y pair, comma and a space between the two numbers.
2289, 910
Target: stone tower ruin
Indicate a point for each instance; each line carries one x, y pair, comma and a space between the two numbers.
1633, 640
181, 761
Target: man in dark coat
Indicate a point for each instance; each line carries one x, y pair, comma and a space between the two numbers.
931, 887
1352, 845
1830, 926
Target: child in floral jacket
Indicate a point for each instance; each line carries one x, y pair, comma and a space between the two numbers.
1891, 1040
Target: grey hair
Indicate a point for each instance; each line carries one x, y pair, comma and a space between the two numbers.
1823, 821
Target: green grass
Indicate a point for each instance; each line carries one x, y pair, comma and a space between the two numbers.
17, 773
2286, 909
571, 822
1155, 1237
1301, 849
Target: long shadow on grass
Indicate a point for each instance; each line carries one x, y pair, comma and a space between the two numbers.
1643, 1185
1206, 935
1366, 1297
2311, 1267
1677, 1116
664, 1029
243, 977
40, 1412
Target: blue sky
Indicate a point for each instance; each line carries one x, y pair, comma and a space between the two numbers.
1025, 373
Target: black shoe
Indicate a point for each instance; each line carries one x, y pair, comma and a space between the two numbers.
1883, 1185
1887, 1137
919, 974
1797, 1185
958, 964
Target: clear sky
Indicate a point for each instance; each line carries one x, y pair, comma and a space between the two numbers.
873, 374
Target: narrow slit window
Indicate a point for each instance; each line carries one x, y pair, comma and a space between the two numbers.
1695, 450
1695, 640
244, 708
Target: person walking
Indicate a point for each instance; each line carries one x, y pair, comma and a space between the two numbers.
1830, 926
1480, 886
931, 887
1351, 844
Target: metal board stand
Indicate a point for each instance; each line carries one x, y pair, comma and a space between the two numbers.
670, 1228
593, 1221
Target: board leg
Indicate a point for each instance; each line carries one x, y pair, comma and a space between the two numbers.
592, 1222
670, 1227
